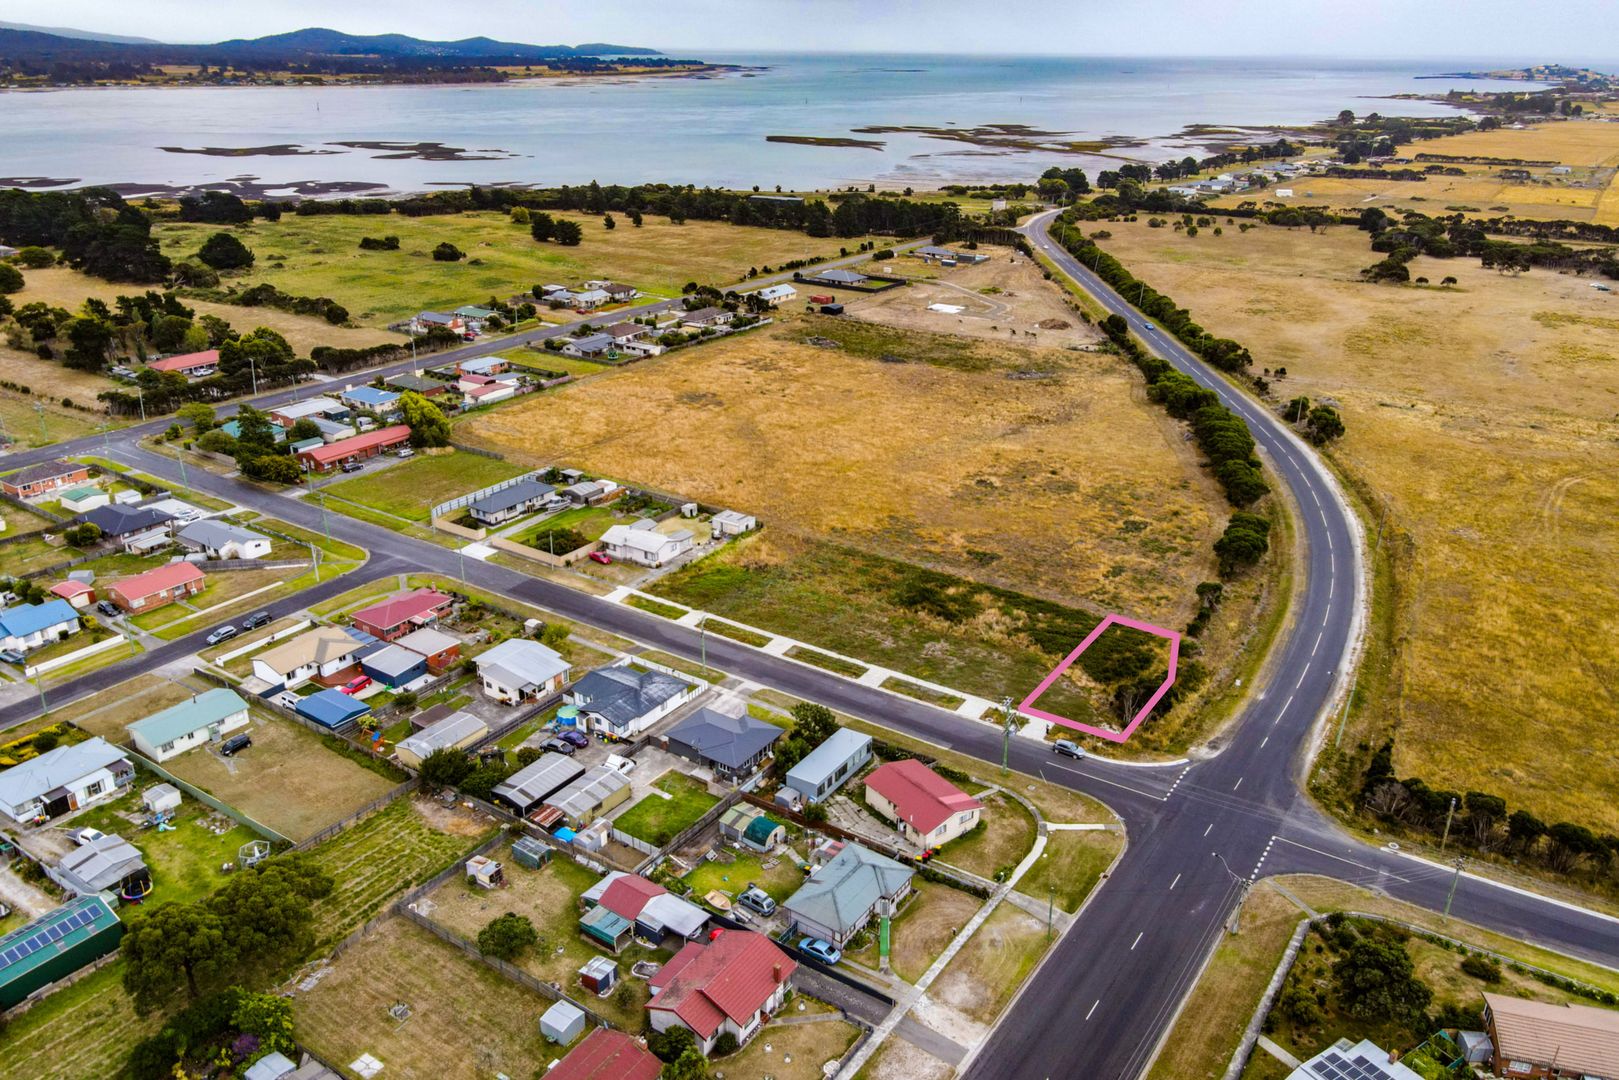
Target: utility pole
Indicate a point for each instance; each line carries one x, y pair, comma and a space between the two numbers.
180, 457
1242, 883
1454, 881
702, 644
325, 519
1449, 814
315, 561
1051, 909
39, 407
1006, 733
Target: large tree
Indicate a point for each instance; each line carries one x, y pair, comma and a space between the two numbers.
568, 233
223, 251
428, 427
508, 936
1375, 981
174, 948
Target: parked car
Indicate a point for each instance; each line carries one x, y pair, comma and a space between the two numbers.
87, 835
356, 684
405, 451
109, 609
559, 746
1067, 748
620, 764
255, 620
601, 557
224, 633
235, 744
12, 656
824, 951
578, 739
352, 466
757, 899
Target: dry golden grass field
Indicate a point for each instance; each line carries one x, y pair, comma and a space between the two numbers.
1482, 420
1589, 193
1066, 486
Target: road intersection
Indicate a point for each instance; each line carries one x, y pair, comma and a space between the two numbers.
1198, 834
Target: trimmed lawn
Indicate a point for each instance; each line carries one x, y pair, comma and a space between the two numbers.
86, 1029
461, 1011
549, 898
185, 862
780, 881
809, 1046
403, 844
1006, 835
410, 489
588, 521
288, 780
658, 820
1072, 864
337, 549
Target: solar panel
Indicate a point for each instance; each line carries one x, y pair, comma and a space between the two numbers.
11, 956
56, 932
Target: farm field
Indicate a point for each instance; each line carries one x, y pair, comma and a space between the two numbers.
461, 1012
403, 844
320, 256
1589, 193
24, 422
86, 1029
63, 287
1505, 390
410, 489
1016, 483
284, 758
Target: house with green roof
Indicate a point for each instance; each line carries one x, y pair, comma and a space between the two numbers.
205, 718
57, 944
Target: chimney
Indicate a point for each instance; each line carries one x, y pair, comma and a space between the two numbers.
775, 974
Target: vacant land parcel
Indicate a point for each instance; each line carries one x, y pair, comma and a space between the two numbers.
1481, 429
320, 256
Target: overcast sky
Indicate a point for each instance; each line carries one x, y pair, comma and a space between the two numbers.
1580, 31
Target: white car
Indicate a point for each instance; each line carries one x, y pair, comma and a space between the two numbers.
620, 764
87, 836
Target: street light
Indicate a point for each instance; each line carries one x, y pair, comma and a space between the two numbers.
1243, 884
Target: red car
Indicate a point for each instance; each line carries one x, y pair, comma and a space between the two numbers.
601, 557
354, 686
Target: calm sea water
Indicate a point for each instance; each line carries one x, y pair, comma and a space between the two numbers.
701, 131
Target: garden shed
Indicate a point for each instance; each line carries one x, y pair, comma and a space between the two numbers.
530, 852
562, 1023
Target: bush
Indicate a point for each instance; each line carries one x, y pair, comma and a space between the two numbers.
45, 742
223, 251
10, 278
725, 1045
373, 243
507, 936
35, 258
1482, 968
448, 252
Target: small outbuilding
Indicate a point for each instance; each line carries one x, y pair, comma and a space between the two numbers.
55, 945
562, 1023
824, 769
394, 666
599, 975
458, 731
161, 799
331, 709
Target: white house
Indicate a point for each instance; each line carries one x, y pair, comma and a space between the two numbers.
644, 545
32, 625
222, 540
728, 985
64, 779
518, 669
205, 718
320, 654
733, 523
589, 345
776, 295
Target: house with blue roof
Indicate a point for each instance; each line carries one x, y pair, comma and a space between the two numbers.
369, 398
825, 769
33, 625
331, 709
207, 717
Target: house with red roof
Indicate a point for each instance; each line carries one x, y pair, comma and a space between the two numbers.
76, 593
622, 903
328, 456
927, 809
402, 613
607, 1055
153, 589
732, 984
197, 365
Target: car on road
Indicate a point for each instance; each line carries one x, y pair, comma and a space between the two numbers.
224, 633
816, 949
352, 466
577, 739
1068, 748
757, 899
235, 745
601, 557
12, 656
109, 609
255, 620
557, 746
356, 684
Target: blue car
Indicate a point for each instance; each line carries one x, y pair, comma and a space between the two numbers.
824, 951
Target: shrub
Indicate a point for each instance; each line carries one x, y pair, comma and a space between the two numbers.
10, 278
1482, 968
448, 252
374, 243
223, 251
35, 258
725, 1045
507, 936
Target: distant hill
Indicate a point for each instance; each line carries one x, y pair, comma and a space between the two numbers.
315, 47
82, 35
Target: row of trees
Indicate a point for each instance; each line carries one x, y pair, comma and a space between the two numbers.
95, 229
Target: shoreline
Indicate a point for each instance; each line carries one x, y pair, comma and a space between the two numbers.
561, 78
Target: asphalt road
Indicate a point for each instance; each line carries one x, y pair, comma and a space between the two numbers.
1198, 834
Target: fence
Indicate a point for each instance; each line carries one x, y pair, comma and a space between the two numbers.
38, 511
544, 558
203, 797
683, 837
445, 508
512, 723
443, 524
78, 654
365, 811
296, 628
57, 569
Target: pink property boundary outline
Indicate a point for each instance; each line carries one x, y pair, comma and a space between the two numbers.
1056, 672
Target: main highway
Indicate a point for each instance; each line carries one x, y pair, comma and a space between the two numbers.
1198, 833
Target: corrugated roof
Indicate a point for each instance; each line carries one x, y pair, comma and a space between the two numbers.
30, 946
921, 797
512, 495
391, 661
827, 758
401, 607
178, 721
607, 1055
171, 576
732, 741
623, 695
100, 864
427, 641
45, 470
584, 795
216, 534
539, 778
842, 893
207, 358
732, 976
331, 708
32, 618
524, 663
1578, 1038
342, 448
57, 768
454, 730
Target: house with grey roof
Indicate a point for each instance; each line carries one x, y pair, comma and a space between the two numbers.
207, 717
458, 731
105, 864
589, 345
527, 788
734, 747
592, 795
841, 897
64, 779
824, 769
518, 669
222, 540
511, 501
623, 701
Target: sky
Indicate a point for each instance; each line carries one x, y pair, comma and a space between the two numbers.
1506, 30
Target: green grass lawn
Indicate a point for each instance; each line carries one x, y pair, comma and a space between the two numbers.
412, 488
30, 428
592, 521
656, 607
337, 549
780, 881
550, 361
186, 862
657, 820
1071, 864
1006, 835
320, 256
86, 1029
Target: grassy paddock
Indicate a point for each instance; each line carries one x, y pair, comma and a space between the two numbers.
410, 489
86, 1029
